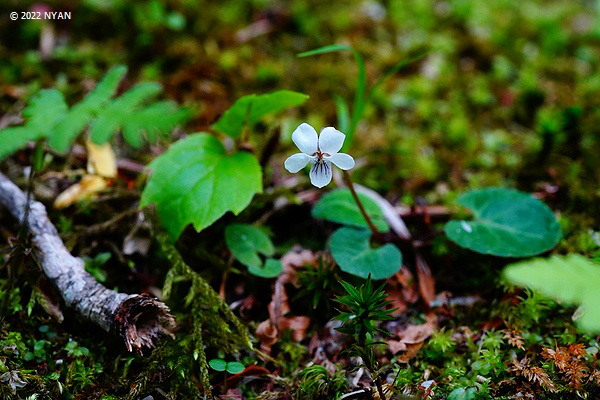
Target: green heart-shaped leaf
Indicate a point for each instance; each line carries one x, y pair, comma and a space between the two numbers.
572, 279
195, 181
352, 251
339, 206
507, 223
246, 242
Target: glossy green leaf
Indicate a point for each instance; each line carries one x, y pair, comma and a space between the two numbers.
352, 251
217, 364
506, 223
248, 110
195, 181
572, 279
246, 242
339, 206
271, 269
234, 367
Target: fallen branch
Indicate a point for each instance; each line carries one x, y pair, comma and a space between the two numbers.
139, 320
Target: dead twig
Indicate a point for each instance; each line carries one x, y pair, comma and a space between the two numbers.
139, 320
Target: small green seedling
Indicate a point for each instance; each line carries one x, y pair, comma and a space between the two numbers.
247, 243
94, 265
233, 367
366, 306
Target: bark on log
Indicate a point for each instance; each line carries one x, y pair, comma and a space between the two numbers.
139, 320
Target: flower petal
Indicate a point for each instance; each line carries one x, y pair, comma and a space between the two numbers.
305, 137
296, 162
331, 140
320, 173
342, 160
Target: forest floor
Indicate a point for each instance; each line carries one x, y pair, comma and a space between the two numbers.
493, 94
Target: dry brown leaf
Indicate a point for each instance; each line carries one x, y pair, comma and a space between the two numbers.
279, 306
101, 159
45, 298
232, 394
267, 334
417, 333
426, 281
412, 349
398, 303
396, 346
291, 260
411, 340
401, 290
298, 325
87, 187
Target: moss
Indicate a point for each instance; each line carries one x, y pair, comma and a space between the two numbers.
213, 323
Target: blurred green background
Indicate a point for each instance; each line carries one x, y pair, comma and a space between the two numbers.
506, 95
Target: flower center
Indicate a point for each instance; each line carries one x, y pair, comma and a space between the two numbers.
320, 155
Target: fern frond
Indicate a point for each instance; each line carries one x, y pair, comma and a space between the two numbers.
65, 132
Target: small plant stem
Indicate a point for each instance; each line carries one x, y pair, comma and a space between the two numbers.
38, 156
224, 280
348, 181
379, 387
368, 360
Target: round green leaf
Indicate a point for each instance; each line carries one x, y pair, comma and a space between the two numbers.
507, 223
271, 269
463, 394
245, 243
217, 364
352, 251
235, 367
195, 181
339, 206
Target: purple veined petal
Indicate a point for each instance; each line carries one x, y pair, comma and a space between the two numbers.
305, 137
341, 160
320, 173
331, 140
296, 162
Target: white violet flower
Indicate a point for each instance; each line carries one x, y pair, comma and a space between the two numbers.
320, 152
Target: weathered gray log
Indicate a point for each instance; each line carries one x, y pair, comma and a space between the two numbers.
139, 320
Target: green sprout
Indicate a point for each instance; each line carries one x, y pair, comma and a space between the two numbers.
365, 307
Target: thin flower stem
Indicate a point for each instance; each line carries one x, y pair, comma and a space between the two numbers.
348, 181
